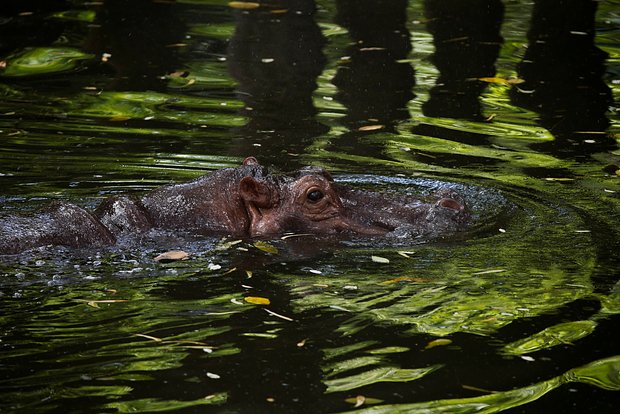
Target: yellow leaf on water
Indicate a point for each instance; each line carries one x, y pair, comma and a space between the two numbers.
243, 5
171, 256
257, 300
266, 247
438, 342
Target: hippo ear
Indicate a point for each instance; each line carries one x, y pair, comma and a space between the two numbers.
255, 192
250, 161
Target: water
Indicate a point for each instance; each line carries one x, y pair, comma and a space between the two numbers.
518, 315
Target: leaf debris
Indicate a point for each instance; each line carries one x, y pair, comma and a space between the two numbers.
379, 259
257, 300
266, 247
172, 256
277, 315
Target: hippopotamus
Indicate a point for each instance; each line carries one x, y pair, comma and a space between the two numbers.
244, 202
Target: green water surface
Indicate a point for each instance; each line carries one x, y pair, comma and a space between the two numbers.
518, 315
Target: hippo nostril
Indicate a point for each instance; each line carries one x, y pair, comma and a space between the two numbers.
450, 203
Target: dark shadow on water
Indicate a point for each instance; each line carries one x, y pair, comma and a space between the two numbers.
142, 38
373, 82
467, 40
563, 72
26, 23
373, 85
276, 56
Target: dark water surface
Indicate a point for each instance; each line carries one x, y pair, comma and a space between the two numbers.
515, 102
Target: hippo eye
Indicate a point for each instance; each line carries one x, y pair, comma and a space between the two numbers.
315, 195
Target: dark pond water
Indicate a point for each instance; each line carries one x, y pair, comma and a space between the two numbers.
514, 100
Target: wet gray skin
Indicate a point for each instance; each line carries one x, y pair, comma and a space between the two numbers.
245, 201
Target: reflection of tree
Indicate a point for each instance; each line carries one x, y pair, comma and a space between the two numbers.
26, 23
373, 85
467, 40
139, 36
276, 56
563, 70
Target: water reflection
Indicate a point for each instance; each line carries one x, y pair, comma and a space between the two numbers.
26, 24
139, 40
467, 42
276, 56
373, 84
563, 72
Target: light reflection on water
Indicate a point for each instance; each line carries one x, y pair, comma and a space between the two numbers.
358, 93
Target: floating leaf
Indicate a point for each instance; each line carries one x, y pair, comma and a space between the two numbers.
289, 236
438, 342
256, 300
213, 266
277, 315
379, 259
225, 245
266, 247
559, 179
154, 338
172, 256
243, 5
371, 127
260, 335
485, 272
179, 74
360, 399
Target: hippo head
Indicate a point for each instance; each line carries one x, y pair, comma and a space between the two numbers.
305, 203
310, 202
